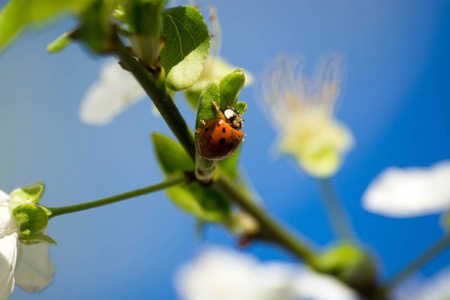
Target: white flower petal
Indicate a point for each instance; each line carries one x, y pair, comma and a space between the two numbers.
34, 269
434, 288
8, 257
225, 275
312, 285
410, 192
113, 93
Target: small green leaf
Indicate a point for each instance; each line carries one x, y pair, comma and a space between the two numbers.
171, 156
39, 238
230, 87
28, 194
202, 202
187, 45
17, 14
224, 93
241, 107
60, 43
32, 219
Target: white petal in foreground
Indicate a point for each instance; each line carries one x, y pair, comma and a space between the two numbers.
34, 270
226, 275
434, 288
8, 248
115, 91
410, 192
312, 285
8, 256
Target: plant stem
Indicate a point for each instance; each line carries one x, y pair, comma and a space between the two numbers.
154, 85
418, 262
338, 217
57, 211
273, 230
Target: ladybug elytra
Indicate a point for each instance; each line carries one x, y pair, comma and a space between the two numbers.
220, 137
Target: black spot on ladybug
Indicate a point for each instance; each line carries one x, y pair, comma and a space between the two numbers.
206, 128
230, 145
224, 130
222, 141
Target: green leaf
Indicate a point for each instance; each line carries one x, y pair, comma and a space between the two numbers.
17, 14
202, 202
60, 43
39, 238
224, 93
241, 107
32, 218
171, 156
28, 194
187, 45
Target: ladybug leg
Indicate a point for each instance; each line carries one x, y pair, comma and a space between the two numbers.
197, 130
218, 111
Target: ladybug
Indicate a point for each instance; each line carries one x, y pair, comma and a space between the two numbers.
220, 137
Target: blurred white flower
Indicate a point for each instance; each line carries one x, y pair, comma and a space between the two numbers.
114, 92
303, 112
410, 192
220, 274
27, 266
435, 288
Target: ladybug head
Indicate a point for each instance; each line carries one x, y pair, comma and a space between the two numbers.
233, 118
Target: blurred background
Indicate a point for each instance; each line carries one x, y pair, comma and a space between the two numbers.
396, 102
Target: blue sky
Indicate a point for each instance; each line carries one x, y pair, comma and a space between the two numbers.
396, 102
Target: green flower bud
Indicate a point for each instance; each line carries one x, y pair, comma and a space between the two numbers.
350, 264
145, 19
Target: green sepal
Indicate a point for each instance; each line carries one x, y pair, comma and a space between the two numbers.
39, 238
60, 43
350, 263
186, 47
28, 194
202, 202
32, 219
18, 14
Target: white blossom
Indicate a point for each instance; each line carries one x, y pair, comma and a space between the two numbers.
408, 192
436, 287
219, 274
302, 110
114, 92
27, 266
